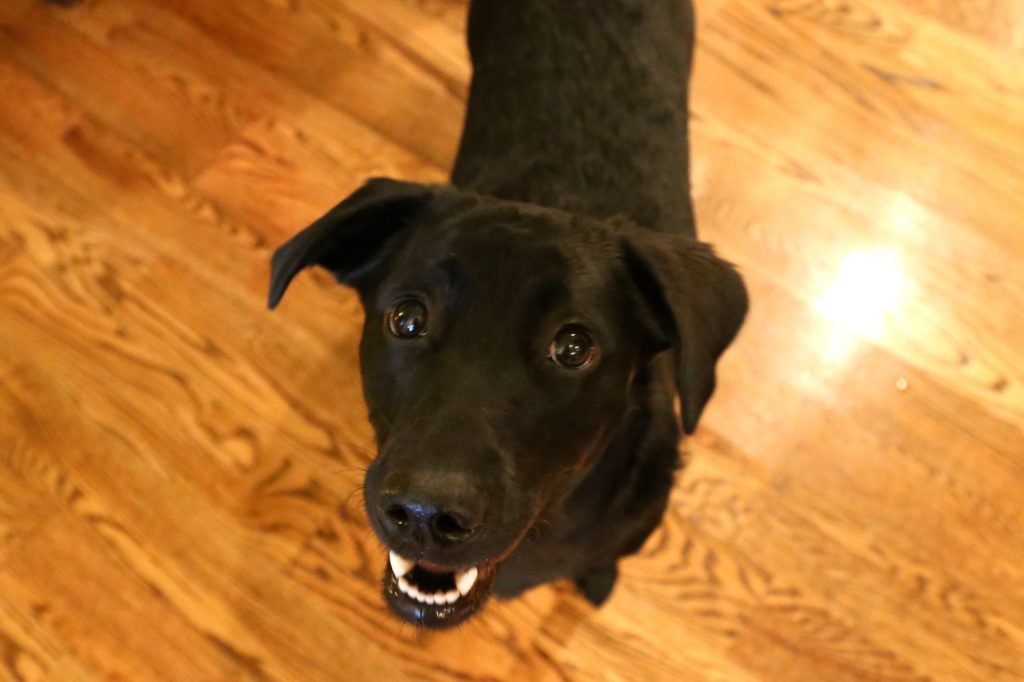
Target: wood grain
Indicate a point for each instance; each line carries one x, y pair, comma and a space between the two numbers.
180, 470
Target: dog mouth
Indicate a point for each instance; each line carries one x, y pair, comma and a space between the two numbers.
435, 596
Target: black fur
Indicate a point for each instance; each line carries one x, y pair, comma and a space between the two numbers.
569, 203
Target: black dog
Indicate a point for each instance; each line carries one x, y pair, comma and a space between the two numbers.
514, 356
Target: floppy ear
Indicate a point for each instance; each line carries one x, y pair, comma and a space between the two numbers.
699, 301
350, 239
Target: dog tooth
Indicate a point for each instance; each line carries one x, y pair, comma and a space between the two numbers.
399, 564
464, 580
404, 586
452, 596
429, 598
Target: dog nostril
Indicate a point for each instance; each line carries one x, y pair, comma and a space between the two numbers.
398, 515
449, 527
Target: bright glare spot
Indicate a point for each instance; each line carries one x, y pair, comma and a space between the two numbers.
905, 217
865, 292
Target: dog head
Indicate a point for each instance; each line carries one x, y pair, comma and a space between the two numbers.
498, 352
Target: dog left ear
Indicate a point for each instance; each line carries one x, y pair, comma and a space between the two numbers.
351, 238
699, 302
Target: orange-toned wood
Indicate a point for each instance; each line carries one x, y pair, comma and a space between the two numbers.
180, 469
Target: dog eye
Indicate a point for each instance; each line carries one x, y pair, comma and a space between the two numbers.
408, 319
572, 347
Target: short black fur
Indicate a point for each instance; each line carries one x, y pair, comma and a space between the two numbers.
569, 204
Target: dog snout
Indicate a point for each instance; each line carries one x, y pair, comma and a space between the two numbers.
441, 514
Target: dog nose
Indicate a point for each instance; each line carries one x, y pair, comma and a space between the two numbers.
425, 520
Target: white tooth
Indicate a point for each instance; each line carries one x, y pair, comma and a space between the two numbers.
464, 580
404, 586
440, 598
400, 565
429, 598
452, 596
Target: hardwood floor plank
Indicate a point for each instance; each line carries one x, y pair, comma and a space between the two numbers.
933, 242
344, 62
173, 562
29, 651
157, 115
903, 122
995, 22
918, 251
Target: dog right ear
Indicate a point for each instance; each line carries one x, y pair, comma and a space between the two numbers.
698, 299
351, 238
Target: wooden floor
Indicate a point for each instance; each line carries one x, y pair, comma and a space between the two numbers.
180, 468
